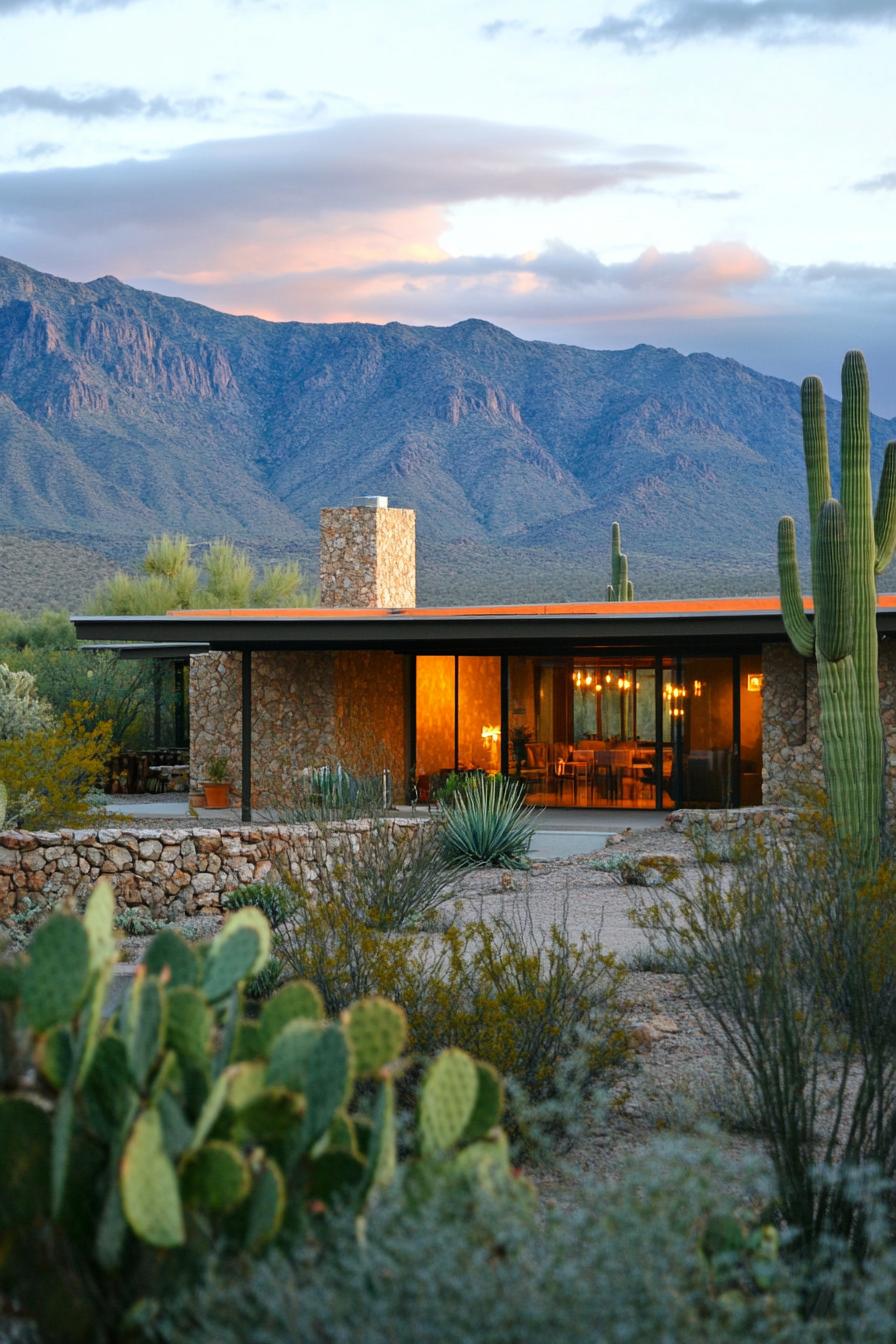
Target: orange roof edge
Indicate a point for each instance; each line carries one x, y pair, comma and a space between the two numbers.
687, 607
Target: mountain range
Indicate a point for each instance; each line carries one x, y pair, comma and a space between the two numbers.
124, 412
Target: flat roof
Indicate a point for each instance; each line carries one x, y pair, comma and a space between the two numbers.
674, 607
697, 622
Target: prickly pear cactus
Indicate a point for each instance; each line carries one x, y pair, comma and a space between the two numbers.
177, 1119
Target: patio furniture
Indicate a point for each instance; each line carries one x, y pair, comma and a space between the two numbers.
171, 777
535, 769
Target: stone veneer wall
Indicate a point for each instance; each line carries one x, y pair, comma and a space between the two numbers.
368, 557
163, 873
791, 744
307, 709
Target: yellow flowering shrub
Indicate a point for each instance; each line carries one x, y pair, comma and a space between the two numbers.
519, 998
50, 772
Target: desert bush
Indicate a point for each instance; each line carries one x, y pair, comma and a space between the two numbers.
170, 581
134, 1147
49, 773
22, 711
487, 822
661, 1255
328, 792
793, 953
523, 999
629, 870
391, 877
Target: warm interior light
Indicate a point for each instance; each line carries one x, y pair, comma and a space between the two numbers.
755, 682
698, 688
588, 679
491, 733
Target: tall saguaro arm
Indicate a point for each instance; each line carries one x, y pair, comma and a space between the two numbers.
799, 628
885, 512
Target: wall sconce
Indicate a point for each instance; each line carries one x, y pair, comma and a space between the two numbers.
491, 733
698, 689
755, 682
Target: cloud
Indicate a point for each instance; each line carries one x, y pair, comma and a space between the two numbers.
498, 27
884, 182
660, 23
68, 6
39, 149
122, 102
274, 197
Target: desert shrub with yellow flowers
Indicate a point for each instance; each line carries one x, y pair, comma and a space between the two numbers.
50, 770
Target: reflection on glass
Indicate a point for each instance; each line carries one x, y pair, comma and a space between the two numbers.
479, 713
707, 728
751, 683
435, 714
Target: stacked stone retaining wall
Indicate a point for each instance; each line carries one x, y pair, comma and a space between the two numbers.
165, 874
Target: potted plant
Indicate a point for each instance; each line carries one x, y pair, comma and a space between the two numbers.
216, 785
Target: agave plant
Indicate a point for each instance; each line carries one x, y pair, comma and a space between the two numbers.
488, 822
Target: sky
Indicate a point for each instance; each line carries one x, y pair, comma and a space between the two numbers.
708, 174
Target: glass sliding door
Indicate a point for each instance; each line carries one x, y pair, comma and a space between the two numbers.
750, 704
583, 730
458, 711
479, 714
597, 730
435, 698
708, 773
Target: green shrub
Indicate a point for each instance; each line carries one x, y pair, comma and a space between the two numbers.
661, 1255
488, 822
652, 870
793, 954
136, 1146
523, 999
391, 876
21, 709
328, 793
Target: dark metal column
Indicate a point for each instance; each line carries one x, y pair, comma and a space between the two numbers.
247, 735
180, 735
505, 716
156, 704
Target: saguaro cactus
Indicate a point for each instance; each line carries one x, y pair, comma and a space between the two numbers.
851, 543
621, 589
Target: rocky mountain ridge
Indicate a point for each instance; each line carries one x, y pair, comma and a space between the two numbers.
123, 412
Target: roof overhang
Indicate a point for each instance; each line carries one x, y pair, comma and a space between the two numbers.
703, 622
173, 652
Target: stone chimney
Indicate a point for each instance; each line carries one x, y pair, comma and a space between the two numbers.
368, 555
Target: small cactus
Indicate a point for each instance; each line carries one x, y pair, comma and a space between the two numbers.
620, 588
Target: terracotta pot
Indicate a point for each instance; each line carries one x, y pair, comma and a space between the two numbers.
217, 795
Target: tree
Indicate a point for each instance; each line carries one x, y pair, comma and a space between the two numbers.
172, 582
